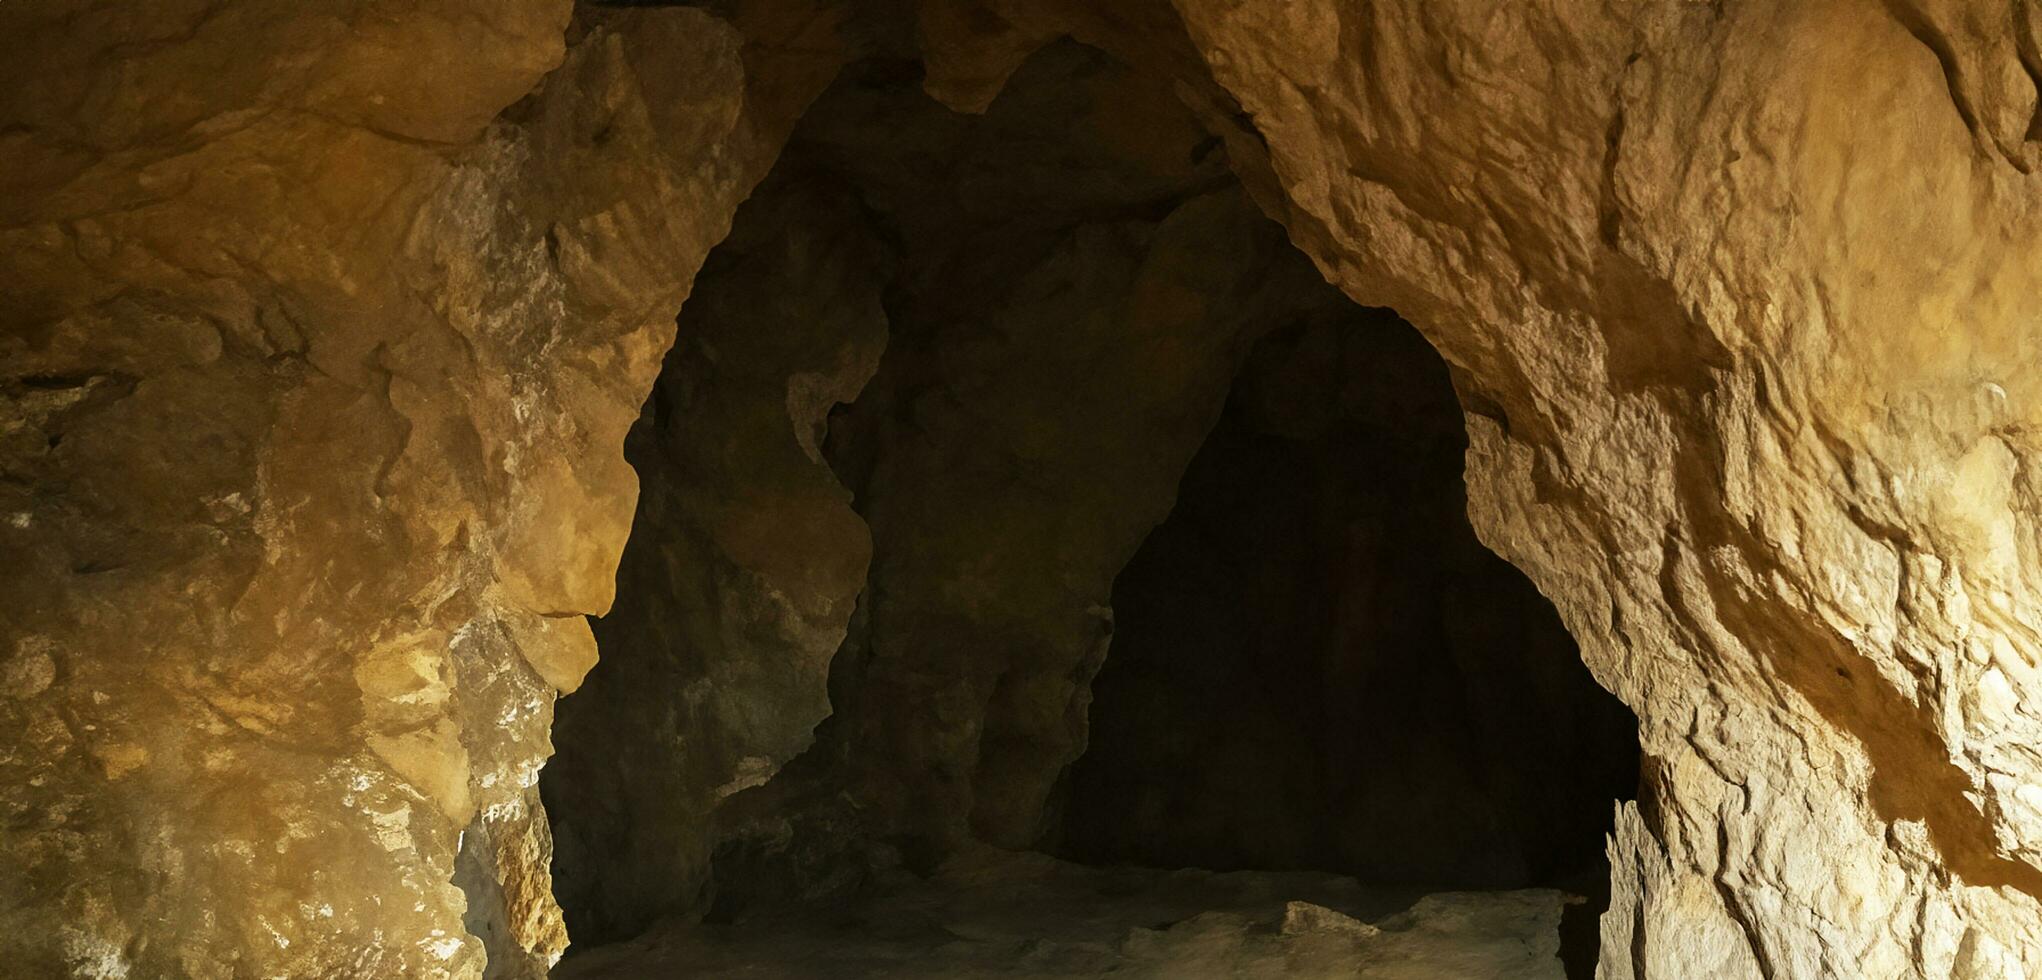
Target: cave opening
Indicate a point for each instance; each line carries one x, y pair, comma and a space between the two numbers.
1316, 664
1026, 528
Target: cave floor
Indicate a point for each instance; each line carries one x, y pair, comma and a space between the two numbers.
1004, 914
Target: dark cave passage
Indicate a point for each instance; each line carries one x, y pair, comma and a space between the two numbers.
1316, 665
1014, 487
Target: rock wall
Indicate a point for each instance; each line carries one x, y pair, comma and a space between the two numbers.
1741, 308
1745, 331
1315, 665
1068, 317
321, 328
744, 564
1064, 287
1743, 302
323, 325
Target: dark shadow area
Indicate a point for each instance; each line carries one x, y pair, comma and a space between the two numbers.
1316, 665
926, 408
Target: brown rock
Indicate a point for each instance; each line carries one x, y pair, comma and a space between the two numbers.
318, 352
1736, 341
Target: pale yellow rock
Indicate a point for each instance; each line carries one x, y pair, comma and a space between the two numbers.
433, 760
1300, 918
560, 648
122, 758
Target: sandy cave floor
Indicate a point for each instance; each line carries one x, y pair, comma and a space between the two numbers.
1001, 914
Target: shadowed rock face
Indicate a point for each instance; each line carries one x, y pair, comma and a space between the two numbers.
1316, 666
744, 564
1064, 288
322, 325
1059, 348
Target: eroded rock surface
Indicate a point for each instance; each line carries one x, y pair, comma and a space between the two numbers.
321, 331
1741, 307
744, 565
1037, 404
1077, 277
1744, 303
321, 327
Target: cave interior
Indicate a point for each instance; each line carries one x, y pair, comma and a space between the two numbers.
1115, 567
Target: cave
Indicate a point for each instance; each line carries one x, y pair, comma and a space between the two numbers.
496, 489
1316, 665
1127, 547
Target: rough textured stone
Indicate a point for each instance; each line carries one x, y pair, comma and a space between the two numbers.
1025, 430
314, 381
744, 565
1077, 279
1069, 278
321, 326
1743, 302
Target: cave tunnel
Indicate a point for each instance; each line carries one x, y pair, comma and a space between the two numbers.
1025, 525
1316, 665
